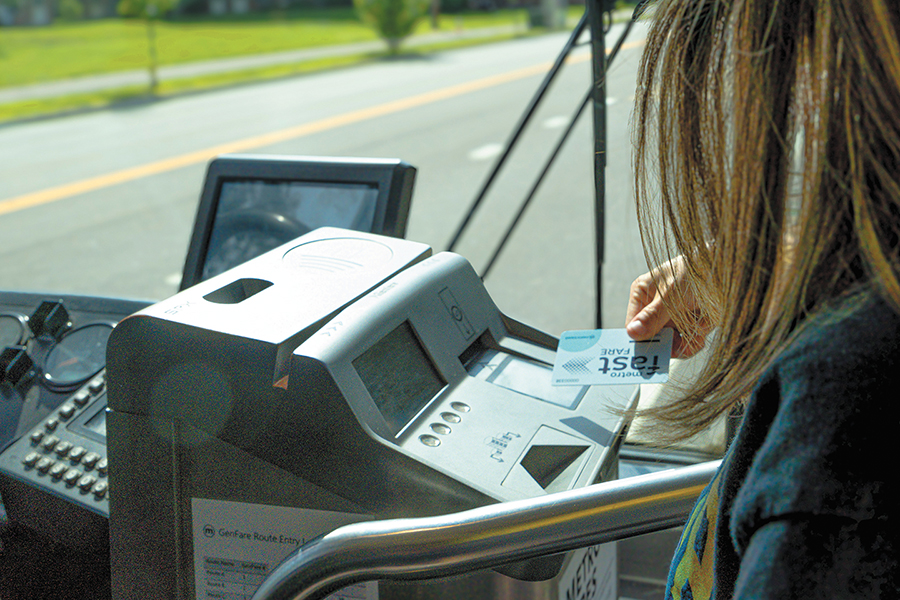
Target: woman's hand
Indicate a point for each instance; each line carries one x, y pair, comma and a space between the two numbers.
647, 313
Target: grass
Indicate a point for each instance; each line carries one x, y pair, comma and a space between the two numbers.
41, 54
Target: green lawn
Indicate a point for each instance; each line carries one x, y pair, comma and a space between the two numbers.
63, 50
36, 54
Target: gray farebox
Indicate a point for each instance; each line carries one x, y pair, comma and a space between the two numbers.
387, 389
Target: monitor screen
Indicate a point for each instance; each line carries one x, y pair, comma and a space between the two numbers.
399, 376
256, 216
253, 203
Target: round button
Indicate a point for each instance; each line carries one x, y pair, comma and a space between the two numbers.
451, 417
57, 470
430, 440
76, 453
90, 459
99, 489
460, 407
440, 428
72, 476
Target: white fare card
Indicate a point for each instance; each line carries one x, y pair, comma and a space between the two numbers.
610, 357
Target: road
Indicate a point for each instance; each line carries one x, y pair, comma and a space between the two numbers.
103, 203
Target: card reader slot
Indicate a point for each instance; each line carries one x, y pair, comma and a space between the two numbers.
237, 291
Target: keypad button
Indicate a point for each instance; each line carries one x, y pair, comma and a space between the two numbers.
460, 407
440, 428
451, 417
72, 476
67, 411
31, 459
96, 386
76, 453
63, 447
430, 440
100, 489
57, 470
44, 464
90, 459
36, 437
81, 398
102, 466
50, 442
86, 482
51, 424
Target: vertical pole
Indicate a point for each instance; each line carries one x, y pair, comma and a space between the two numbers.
595, 10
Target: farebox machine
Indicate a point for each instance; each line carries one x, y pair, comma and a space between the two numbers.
340, 377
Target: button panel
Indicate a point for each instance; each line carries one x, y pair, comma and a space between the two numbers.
453, 416
65, 454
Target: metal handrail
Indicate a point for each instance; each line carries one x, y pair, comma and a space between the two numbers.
490, 536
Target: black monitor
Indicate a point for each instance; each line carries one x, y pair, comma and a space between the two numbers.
253, 203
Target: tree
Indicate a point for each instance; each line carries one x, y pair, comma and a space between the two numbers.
394, 20
70, 10
150, 11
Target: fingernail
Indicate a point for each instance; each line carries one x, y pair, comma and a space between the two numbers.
635, 327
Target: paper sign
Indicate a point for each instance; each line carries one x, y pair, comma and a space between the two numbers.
610, 357
238, 544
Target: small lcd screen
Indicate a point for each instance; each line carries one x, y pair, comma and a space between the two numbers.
92, 422
97, 423
399, 376
523, 376
255, 216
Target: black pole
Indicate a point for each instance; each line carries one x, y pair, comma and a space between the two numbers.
553, 155
595, 11
520, 127
536, 185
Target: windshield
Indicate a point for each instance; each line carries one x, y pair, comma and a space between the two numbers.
103, 202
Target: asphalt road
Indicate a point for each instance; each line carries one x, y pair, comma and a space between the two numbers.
103, 203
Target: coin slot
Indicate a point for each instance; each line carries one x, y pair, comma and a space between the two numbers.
550, 465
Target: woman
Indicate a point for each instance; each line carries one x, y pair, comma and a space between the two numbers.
768, 162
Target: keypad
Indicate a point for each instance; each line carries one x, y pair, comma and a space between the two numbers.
61, 459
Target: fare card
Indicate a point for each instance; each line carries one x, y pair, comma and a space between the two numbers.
610, 357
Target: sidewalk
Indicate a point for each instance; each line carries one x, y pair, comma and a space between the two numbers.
141, 77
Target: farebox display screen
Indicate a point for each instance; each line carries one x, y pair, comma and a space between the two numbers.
524, 377
92, 423
399, 376
254, 216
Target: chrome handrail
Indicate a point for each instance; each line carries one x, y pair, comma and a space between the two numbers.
489, 536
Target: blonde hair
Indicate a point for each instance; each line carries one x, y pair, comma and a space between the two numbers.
767, 152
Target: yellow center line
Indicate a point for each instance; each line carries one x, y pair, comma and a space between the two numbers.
91, 184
